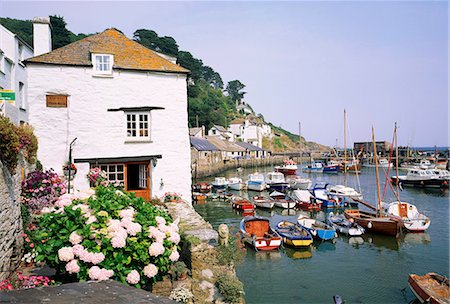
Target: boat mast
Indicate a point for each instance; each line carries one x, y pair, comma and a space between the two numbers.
375, 159
345, 148
300, 145
396, 156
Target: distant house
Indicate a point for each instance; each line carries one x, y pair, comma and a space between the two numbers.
13, 76
228, 149
383, 147
221, 132
197, 132
250, 130
203, 152
252, 151
122, 106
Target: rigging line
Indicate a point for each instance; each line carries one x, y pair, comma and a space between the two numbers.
389, 166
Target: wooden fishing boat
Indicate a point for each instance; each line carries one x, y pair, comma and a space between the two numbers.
413, 221
243, 205
294, 234
344, 226
373, 223
289, 167
285, 203
263, 202
202, 187
318, 229
257, 232
430, 288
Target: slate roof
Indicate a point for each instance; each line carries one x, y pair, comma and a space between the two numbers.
224, 145
194, 131
201, 144
237, 121
220, 128
249, 146
128, 54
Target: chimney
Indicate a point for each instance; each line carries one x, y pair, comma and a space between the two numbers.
42, 35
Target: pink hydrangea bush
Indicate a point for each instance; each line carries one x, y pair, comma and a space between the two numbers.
110, 235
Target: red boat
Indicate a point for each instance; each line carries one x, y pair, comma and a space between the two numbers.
289, 167
304, 200
430, 288
317, 206
243, 205
257, 232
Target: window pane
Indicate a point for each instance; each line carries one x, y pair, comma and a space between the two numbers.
104, 168
120, 177
112, 177
119, 168
112, 168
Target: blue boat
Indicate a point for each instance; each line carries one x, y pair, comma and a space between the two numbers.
315, 167
321, 195
318, 229
331, 169
294, 234
276, 181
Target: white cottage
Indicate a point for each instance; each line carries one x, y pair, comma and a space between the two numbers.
124, 108
13, 76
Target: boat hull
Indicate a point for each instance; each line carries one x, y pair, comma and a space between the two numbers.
373, 224
331, 169
256, 232
285, 204
286, 171
293, 234
256, 186
278, 186
430, 288
236, 186
427, 183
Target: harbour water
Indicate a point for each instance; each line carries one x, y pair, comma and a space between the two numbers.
368, 269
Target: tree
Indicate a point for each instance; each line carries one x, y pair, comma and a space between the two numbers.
186, 60
212, 77
234, 88
167, 45
60, 34
150, 39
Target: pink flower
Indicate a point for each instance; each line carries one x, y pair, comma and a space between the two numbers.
173, 227
77, 249
97, 258
85, 256
97, 273
121, 232
74, 238
113, 225
156, 234
126, 213
118, 242
156, 249
91, 219
164, 228
126, 221
72, 267
174, 256
174, 237
160, 220
133, 277
150, 270
65, 254
134, 228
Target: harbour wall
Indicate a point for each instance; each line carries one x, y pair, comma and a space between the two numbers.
199, 171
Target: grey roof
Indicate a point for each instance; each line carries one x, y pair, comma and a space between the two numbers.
248, 146
194, 131
224, 145
202, 144
220, 128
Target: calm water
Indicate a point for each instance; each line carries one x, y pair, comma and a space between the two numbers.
368, 269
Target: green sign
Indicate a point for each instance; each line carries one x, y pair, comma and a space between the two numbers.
7, 95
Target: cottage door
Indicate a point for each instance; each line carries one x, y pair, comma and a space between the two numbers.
138, 179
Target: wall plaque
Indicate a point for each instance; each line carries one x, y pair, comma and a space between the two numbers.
56, 101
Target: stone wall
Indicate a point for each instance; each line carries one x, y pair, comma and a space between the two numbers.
11, 241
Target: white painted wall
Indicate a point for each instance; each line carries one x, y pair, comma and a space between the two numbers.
101, 133
13, 72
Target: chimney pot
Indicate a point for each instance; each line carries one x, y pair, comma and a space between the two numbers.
42, 35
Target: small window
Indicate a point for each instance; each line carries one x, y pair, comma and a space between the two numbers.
2, 65
114, 172
138, 126
20, 100
21, 56
102, 64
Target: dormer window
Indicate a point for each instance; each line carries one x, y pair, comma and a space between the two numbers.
102, 64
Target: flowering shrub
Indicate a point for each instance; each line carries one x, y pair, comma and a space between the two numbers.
41, 189
96, 176
28, 142
19, 281
9, 143
70, 166
181, 294
111, 234
171, 197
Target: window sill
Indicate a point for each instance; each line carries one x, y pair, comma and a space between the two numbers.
103, 75
21, 64
22, 109
137, 141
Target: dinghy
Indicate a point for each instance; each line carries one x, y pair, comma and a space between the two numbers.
342, 225
256, 231
413, 221
263, 202
243, 205
318, 229
293, 234
430, 288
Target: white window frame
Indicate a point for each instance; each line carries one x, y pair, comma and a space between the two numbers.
2, 64
99, 66
138, 127
21, 95
113, 170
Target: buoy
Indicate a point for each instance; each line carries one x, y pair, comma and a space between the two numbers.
369, 225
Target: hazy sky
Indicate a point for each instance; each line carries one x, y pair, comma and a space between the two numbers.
304, 61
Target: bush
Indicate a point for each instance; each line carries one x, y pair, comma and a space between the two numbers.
232, 254
230, 287
109, 235
41, 189
28, 142
9, 144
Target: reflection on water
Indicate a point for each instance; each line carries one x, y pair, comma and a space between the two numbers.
382, 263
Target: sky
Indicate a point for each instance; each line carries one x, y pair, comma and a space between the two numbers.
304, 61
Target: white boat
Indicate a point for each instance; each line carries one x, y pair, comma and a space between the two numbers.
412, 219
423, 164
289, 167
342, 225
220, 183
382, 163
285, 203
443, 174
298, 182
235, 183
315, 167
256, 182
263, 202
276, 181
421, 179
344, 192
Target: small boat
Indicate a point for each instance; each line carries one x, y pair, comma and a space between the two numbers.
275, 181
297, 182
305, 200
294, 234
256, 182
421, 179
202, 187
285, 203
430, 288
320, 194
318, 229
342, 225
315, 167
344, 192
289, 167
331, 167
442, 174
263, 202
242, 205
413, 221
372, 223
277, 195
235, 183
220, 183
382, 163
257, 232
